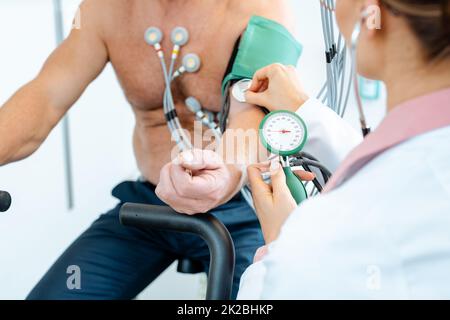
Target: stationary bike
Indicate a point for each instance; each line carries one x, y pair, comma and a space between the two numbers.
217, 237
206, 226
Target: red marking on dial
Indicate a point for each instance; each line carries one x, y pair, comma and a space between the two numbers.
282, 131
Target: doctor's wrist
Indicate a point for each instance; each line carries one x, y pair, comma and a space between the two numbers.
297, 101
303, 97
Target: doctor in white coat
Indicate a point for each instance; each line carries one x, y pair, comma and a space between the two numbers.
381, 228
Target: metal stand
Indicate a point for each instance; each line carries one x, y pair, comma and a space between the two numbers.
59, 33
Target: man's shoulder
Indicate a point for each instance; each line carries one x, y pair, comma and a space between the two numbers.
277, 10
99, 10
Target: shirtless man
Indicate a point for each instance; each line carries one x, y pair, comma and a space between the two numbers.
117, 262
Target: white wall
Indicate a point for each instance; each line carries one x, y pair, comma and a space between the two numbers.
39, 226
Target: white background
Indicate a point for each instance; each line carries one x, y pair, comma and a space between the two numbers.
39, 226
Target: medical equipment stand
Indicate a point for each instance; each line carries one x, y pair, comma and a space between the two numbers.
59, 33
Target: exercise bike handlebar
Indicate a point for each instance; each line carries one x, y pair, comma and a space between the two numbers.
210, 229
5, 201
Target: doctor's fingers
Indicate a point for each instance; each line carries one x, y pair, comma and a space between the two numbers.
267, 73
263, 85
259, 77
302, 174
258, 98
254, 173
305, 175
279, 186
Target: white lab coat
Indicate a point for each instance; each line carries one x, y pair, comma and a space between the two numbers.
363, 240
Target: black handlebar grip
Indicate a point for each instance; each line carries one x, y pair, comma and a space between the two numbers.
210, 229
5, 201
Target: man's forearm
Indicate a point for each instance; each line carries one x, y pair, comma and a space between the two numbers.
29, 116
26, 119
240, 144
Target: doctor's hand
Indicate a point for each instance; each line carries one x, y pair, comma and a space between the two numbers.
273, 203
277, 87
196, 182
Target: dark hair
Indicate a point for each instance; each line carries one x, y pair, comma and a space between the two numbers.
430, 22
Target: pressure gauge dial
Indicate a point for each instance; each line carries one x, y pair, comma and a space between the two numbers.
283, 133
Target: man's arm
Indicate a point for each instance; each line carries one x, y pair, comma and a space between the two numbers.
205, 180
33, 111
247, 117
240, 145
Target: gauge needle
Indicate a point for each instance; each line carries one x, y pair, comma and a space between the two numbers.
282, 131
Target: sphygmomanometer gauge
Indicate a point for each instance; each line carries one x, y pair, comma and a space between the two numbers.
283, 133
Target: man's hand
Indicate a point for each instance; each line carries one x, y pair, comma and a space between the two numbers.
196, 182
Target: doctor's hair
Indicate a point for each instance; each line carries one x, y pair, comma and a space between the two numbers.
430, 22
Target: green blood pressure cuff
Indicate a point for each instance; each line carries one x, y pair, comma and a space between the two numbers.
264, 42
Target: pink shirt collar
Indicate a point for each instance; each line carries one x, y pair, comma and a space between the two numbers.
408, 120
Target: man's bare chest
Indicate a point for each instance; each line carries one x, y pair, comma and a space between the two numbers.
139, 71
